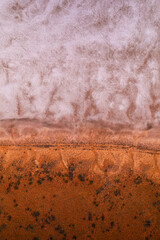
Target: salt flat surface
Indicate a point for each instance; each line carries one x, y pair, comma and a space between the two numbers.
76, 61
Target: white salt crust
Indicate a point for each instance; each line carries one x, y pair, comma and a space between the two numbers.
75, 62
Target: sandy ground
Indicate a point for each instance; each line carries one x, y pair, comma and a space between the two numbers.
79, 192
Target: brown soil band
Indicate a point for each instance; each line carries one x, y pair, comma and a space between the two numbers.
58, 184
27, 132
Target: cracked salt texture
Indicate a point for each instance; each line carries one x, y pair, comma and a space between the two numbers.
76, 61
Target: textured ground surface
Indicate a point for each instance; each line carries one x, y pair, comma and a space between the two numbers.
79, 119
76, 61
79, 192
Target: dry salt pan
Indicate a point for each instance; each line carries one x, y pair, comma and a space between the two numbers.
80, 61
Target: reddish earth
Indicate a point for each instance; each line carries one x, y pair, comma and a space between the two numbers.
94, 184
79, 192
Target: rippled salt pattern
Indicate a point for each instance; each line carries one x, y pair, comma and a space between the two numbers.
76, 61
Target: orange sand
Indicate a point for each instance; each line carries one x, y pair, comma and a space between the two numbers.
89, 183
79, 192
